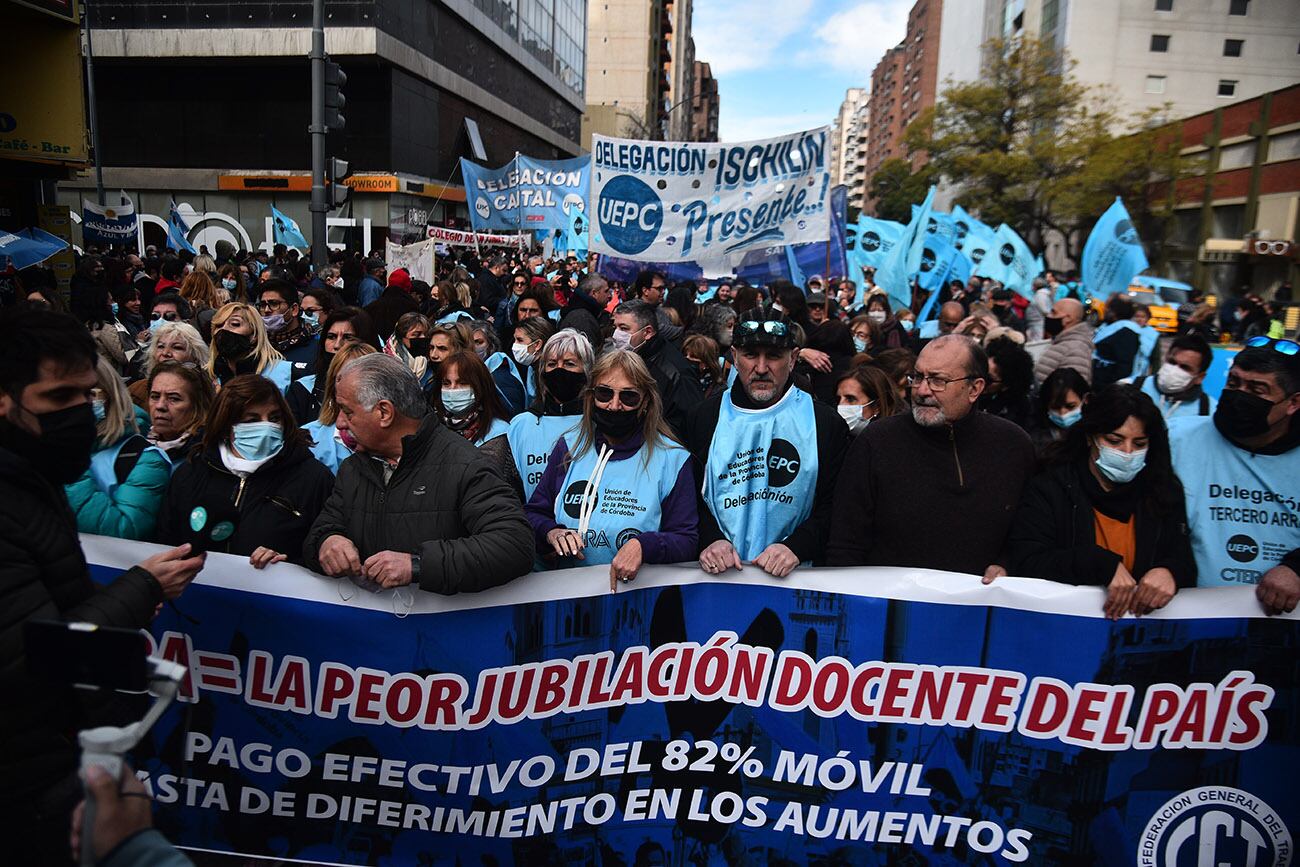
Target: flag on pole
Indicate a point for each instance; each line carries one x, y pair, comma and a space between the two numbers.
110, 223
1113, 255
904, 259
941, 263
286, 231
1010, 262
974, 238
178, 231
577, 234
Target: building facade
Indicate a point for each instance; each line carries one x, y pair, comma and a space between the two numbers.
681, 73
209, 104
629, 68
704, 107
849, 145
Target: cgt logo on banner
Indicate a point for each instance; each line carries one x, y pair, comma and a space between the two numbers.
1215, 825
682, 201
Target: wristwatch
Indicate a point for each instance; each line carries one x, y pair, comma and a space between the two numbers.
415, 568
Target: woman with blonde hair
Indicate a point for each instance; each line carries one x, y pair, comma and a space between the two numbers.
168, 341
448, 338
122, 492
198, 289
332, 446
564, 363
241, 345
180, 396
617, 488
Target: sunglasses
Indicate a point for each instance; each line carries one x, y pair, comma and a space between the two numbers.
774, 327
629, 397
1286, 347
170, 317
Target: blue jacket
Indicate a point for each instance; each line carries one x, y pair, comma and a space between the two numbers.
126, 509
147, 848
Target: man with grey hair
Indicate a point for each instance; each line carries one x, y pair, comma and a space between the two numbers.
936, 488
637, 328
417, 503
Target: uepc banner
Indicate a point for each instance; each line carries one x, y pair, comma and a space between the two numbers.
525, 193
682, 201
907, 716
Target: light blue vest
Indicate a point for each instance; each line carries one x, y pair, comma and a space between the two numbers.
101, 464
454, 316
1242, 508
494, 363
762, 471
532, 440
281, 373
328, 450
1172, 409
1147, 339
629, 500
499, 428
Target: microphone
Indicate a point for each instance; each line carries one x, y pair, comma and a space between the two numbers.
211, 526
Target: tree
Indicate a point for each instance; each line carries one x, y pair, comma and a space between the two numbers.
895, 188
1015, 136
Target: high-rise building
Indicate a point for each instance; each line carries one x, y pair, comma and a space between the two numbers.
849, 145
681, 74
704, 107
629, 68
210, 102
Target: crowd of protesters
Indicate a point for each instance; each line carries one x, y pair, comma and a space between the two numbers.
521, 413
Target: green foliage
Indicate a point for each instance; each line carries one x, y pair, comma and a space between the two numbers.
895, 188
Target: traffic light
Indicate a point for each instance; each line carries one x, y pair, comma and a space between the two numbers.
335, 101
338, 191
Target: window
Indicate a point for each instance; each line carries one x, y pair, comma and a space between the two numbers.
1159, 42
1155, 84
1238, 7
1164, 5
1232, 47
1227, 88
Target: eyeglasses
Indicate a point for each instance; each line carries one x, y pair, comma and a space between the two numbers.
629, 397
936, 382
275, 304
313, 311
170, 317
770, 326
1286, 347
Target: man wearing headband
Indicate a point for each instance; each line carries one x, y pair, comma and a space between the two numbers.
770, 455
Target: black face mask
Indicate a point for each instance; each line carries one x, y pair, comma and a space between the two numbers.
62, 452
616, 424
419, 346
232, 346
1053, 326
1242, 415
564, 385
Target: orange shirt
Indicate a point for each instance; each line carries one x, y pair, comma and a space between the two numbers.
1118, 537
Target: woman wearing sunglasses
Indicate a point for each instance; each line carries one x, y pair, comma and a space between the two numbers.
617, 489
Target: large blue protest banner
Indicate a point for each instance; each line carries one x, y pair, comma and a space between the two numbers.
526, 193
799, 262
1113, 254
884, 714
706, 202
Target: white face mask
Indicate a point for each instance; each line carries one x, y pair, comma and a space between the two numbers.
877, 316
852, 415
521, 353
621, 339
1172, 379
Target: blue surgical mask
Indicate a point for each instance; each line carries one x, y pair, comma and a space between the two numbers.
1120, 467
859, 343
537, 269
311, 320
229, 284
457, 400
1067, 420
114, 305
97, 406
258, 440
907, 324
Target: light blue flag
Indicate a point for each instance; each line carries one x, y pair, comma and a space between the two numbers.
941, 263
974, 238
875, 239
1009, 261
1113, 255
178, 231
904, 259
577, 233
285, 230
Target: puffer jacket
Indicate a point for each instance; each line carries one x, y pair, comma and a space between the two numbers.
1070, 348
43, 576
128, 509
444, 502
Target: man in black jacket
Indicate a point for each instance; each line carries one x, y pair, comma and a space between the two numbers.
417, 504
47, 432
770, 456
936, 489
637, 328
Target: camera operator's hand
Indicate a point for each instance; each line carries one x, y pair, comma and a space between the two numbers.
174, 569
119, 814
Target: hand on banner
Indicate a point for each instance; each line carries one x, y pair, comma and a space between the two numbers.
777, 560
719, 557
174, 569
626, 563
263, 557
1119, 594
388, 568
338, 556
992, 573
1279, 590
566, 542
819, 360
1154, 591
119, 813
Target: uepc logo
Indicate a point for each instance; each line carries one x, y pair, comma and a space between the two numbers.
572, 499
1242, 548
782, 463
1215, 825
871, 242
1007, 254
630, 214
